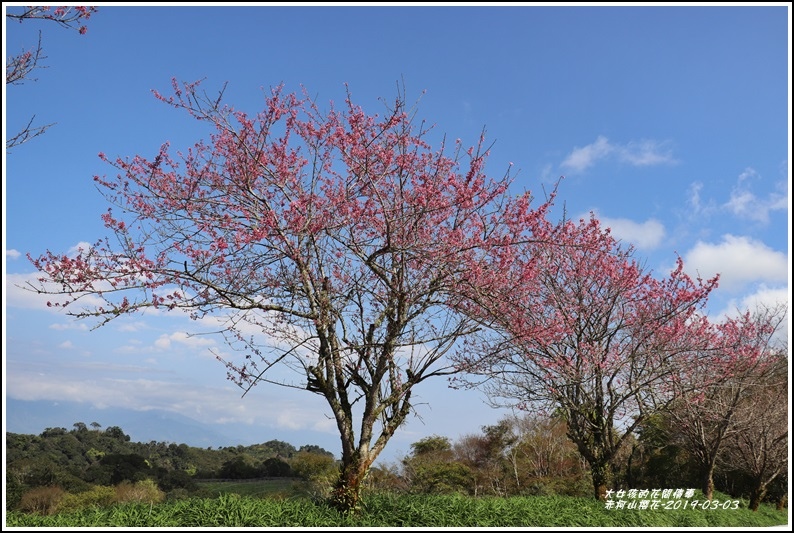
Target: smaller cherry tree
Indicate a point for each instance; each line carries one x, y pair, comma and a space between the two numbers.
584, 331
760, 447
713, 387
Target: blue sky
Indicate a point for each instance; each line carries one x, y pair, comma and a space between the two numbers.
671, 123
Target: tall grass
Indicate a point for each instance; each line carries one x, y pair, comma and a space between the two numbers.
391, 510
269, 488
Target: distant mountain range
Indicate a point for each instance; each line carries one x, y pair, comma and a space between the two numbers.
33, 417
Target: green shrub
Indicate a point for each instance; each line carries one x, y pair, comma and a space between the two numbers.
442, 478
177, 494
14, 491
96, 496
319, 471
41, 500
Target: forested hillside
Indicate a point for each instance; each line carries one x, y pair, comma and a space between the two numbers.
88, 455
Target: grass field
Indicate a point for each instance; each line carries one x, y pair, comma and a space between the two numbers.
255, 509
256, 489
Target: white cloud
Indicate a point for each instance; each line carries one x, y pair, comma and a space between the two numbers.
583, 158
13, 254
762, 297
739, 261
79, 248
66, 345
634, 153
20, 293
191, 341
744, 204
79, 326
694, 195
643, 235
163, 343
645, 153
132, 327
284, 408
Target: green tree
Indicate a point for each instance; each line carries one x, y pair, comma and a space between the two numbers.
318, 469
432, 468
239, 467
280, 448
118, 467
117, 433
276, 467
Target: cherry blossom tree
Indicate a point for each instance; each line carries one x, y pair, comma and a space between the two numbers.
715, 386
587, 333
331, 244
20, 67
760, 448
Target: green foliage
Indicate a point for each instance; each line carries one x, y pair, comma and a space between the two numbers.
169, 480
53, 432
314, 467
280, 448
43, 472
117, 467
94, 454
431, 445
85, 456
441, 478
177, 494
319, 471
530, 457
115, 432
432, 468
238, 468
275, 467
658, 460
257, 489
392, 510
14, 491
313, 448
96, 496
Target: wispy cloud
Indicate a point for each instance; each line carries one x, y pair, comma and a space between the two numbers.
634, 153
19, 293
285, 408
744, 204
78, 326
13, 254
180, 337
582, 158
697, 206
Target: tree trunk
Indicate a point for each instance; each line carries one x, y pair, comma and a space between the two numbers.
781, 503
708, 483
346, 494
602, 478
756, 496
